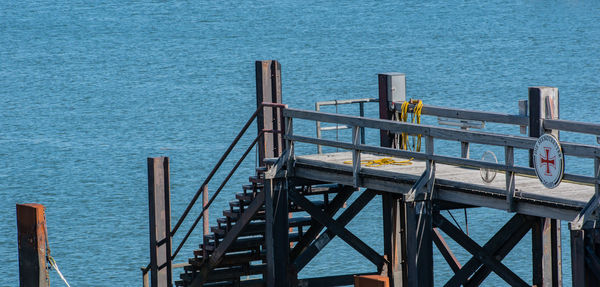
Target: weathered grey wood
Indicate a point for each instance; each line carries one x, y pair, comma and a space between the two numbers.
205, 214
572, 126
159, 208
509, 159
473, 115
337, 228
500, 269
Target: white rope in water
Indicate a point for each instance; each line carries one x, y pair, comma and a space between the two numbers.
55, 266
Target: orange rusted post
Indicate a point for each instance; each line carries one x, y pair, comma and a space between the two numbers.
31, 226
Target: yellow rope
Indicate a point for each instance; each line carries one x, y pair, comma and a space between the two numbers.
415, 118
382, 162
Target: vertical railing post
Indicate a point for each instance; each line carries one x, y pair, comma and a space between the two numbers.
361, 110
509, 159
159, 207
31, 229
356, 155
545, 233
318, 123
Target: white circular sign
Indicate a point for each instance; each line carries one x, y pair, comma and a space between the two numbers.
548, 161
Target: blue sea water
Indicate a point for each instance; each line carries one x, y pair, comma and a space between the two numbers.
88, 90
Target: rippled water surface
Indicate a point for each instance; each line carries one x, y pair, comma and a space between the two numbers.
89, 90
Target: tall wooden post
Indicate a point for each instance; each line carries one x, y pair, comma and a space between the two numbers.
31, 228
406, 226
546, 245
159, 207
276, 233
268, 90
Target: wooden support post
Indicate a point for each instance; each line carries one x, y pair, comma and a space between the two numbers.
159, 207
277, 236
268, 90
418, 247
392, 88
585, 256
509, 160
546, 246
31, 228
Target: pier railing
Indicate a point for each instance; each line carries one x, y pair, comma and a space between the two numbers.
509, 142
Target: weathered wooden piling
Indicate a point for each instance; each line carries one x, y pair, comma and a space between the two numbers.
31, 228
545, 233
159, 192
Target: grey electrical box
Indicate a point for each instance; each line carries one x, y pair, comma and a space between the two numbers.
396, 87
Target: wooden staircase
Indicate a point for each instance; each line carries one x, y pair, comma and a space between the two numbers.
243, 261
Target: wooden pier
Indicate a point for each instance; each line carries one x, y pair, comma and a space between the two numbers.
266, 237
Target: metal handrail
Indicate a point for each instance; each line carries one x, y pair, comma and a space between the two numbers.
216, 168
360, 102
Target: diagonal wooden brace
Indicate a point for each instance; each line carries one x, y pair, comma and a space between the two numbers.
486, 258
306, 256
337, 228
315, 229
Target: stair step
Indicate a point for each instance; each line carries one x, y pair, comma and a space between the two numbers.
228, 273
255, 228
244, 196
238, 203
256, 179
230, 259
252, 186
261, 169
247, 243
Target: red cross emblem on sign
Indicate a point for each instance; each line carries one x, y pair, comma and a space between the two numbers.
548, 161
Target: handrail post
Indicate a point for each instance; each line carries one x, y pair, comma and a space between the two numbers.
159, 207
318, 123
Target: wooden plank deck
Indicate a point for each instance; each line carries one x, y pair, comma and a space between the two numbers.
452, 183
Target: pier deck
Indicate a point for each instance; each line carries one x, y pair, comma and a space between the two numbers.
452, 183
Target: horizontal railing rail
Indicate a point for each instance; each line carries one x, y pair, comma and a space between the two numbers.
508, 141
520, 120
